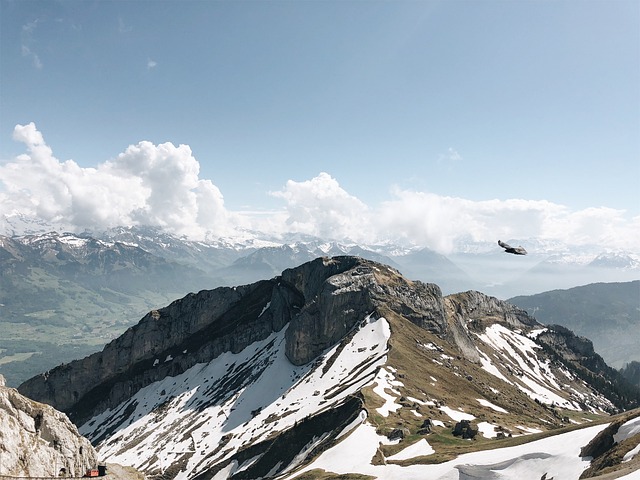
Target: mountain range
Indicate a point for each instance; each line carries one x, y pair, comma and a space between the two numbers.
342, 367
64, 295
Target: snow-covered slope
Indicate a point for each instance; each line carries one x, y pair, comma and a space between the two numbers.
257, 381
553, 457
513, 357
268, 395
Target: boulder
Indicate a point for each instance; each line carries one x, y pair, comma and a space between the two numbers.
39, 441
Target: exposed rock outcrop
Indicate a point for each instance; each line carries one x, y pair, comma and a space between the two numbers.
320, 302
352, 288
473, 311
38, 441
199, 327
465, 429
165, 342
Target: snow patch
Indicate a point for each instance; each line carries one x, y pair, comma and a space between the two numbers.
488, 430
457, 415
528, 429
561, 459
418, 449
627, 430
385, 381
486, 403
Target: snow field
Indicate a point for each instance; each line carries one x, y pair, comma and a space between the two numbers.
418, 449
557, 457
211, 410
628, 430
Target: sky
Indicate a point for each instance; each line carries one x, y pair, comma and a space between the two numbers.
423, 121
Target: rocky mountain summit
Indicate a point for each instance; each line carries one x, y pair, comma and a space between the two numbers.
38, 441
256, 381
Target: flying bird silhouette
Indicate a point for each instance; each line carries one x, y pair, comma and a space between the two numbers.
510, 249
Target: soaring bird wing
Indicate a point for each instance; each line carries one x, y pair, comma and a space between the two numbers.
503, 245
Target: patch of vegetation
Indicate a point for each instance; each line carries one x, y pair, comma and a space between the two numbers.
457, 383
631, 372
318, 474
29, 358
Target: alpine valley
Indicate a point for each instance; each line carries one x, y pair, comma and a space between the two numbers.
341, 367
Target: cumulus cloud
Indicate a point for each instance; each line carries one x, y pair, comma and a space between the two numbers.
146, 184
151, 64
321, 207
160, 185
438, 221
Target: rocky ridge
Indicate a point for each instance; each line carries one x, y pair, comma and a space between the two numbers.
201, 326
38, 441
226, 375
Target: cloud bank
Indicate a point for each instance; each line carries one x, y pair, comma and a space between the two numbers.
145, 185
160, 185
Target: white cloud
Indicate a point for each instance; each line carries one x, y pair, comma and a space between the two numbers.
321, 207
151, 64
437, 221
161, 185
146, 184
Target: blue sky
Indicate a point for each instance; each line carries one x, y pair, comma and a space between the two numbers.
303, 108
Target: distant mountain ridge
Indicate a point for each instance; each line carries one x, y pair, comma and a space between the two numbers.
64, 295
255, 381
61, 295
607, 313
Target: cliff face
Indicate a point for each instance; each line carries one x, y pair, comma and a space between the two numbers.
472, 311
166, 342
201, 326
38, 441
320, 301
349, 288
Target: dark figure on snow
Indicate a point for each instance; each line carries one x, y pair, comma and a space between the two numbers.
510, 249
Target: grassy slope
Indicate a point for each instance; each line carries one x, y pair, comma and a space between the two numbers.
415, 367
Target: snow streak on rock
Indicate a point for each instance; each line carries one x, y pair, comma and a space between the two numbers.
202, 417
517, 360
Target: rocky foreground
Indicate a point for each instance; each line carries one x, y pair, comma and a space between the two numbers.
38, 441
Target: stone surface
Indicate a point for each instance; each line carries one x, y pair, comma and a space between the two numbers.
38, 441
318, 302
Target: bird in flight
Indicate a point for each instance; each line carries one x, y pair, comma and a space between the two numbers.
509, 249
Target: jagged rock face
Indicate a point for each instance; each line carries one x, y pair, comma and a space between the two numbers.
477, 307
38, 441
473, 311
572, 346
167, 341
201, 326
349, 288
